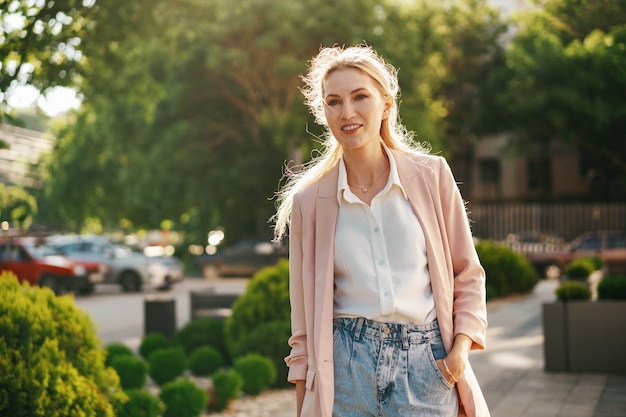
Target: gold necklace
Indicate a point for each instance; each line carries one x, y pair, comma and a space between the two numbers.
365, 189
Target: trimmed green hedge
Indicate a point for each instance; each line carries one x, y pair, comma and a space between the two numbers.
573, 290
51, 360
266, 299
612, 287
257, 373
508, 272
580, 269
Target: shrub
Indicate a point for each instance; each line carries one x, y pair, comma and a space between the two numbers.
612, 287
269, 340
508, 272
597, 262
51, 360
116, 349
266, 299
131, 370
257, 373
579, 269
202, 332
204, 361
141, 403
183, 398
572, 290
167, 364
153, 342
226, 387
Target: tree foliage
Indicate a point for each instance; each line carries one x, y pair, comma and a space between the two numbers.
17, 206
566, 79
191, 108
40, 42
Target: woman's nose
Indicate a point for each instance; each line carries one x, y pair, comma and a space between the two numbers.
347, 110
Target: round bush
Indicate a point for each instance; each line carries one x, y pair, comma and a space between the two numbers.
131, 370
508, 272
597, 262
257, 373
226, 387
572, 290
116, 349
183, 398
204, 361
269, 340
266, 299
141, 403
51, 360
579, 269
167, 364
152, 342
612, 287
202, 332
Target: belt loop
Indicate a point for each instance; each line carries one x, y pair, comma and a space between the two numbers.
357, 328
405, 337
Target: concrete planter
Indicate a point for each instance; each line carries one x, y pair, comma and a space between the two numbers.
585, 336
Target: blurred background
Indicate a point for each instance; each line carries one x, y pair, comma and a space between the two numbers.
166, 125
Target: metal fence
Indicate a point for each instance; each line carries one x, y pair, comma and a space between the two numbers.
499, 220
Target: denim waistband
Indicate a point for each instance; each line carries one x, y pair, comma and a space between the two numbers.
390, 331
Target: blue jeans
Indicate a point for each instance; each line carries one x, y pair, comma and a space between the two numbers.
389, 370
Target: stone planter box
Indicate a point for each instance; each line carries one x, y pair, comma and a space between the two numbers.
585, 336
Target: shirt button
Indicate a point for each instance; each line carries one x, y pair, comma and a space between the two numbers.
387, 293
376, 229
381, 262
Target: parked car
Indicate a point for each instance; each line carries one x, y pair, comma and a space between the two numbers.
131, 270
526, 241
245, 258
610, 246
37, 267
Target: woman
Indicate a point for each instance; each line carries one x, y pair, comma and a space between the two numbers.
387, 292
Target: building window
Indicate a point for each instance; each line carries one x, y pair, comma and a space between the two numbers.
539, 174
489, 171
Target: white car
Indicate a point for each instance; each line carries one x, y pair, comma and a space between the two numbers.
131, 270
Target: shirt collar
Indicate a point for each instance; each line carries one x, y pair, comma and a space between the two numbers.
343, 189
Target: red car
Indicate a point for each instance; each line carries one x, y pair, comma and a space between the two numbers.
40, 267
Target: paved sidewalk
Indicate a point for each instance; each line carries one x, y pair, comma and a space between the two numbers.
511, 373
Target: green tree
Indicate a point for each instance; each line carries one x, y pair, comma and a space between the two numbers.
40, 42
17, 206
567, 78
192, 125
191, 108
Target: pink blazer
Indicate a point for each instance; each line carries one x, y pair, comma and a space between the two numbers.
458, 280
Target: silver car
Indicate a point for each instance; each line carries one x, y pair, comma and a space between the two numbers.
131, 270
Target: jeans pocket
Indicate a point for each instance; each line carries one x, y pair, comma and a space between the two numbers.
438, 352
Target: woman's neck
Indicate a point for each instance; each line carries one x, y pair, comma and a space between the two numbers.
364, 169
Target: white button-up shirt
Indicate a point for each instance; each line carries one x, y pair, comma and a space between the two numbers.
381, 268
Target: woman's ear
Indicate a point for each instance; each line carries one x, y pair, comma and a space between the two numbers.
388, 104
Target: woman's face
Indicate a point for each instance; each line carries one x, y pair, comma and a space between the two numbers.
354, 108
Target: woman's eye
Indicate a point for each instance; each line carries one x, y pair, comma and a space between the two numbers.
332, 102
361, 96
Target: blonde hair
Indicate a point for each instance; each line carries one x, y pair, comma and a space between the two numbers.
393, 133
